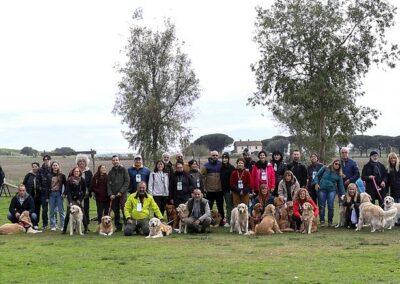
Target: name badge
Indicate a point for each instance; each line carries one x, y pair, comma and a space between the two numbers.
179, 185
263, 175
198, 183
240, 184
138, 178
139, 207
314, 173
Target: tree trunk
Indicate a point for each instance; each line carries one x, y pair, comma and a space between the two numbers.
322, 135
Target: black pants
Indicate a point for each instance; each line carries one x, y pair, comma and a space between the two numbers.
137, 226
44, 202
66, 221
161, 202
86, 204
219, 198
118, 204
297, 222
313, 194
102, 209
37, 202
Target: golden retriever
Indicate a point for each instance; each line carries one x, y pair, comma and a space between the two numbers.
390, 204
256, 216
309, 222
183, 213
106, 227
268, 224
373, 214
158, 229
342, 216
240, 219
172, 215
23, 226
282, 214
215, 218
76, 219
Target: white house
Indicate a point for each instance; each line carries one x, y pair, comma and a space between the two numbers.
251, 145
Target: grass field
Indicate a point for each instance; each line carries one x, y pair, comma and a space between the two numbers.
330, 255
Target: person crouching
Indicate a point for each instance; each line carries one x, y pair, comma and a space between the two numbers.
137, 211
199, 219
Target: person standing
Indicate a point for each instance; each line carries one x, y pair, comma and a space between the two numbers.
82, 161
45, 177
349, 167
240, 181
196, 179
263, 173
159, 185
31, 182
312, 171
118, 184
226, 171
168, 167
179, 186
279, 168
75, 192
137, 173
56, 200
298, 169
248, 161
99, 189
212, 180
329, 182
394, 177
375, 176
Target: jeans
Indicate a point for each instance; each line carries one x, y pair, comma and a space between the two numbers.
228, 205
56, 201
45, 207
323, 198
12, 218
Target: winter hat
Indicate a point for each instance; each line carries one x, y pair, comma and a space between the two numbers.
191, 162
262, 151
373, 153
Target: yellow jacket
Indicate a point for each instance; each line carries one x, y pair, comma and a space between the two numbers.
131, 207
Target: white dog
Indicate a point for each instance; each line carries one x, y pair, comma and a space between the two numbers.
240, 219
373, 214
158, 229
388, 205
75, 217
106, 227
183, 213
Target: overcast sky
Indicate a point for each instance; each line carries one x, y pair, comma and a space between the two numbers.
58, 81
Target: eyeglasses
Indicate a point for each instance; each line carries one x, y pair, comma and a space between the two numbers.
336, 164
214, 155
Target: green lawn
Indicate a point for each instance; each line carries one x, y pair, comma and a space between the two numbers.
331, 255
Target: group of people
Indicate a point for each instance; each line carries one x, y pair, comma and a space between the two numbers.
216, 181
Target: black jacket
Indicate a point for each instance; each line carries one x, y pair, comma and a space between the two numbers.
194, 177
300, 172
17, 207
45, 176
225, 176
31, 182
88, 183
279, 169
377, 170
312, 171
183, 195
394, 183
75, 192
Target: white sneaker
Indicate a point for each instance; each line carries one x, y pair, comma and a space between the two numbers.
36, 228
54, 229
227, 225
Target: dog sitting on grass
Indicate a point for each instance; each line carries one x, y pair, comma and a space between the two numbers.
268, 224
240, 219
158, 229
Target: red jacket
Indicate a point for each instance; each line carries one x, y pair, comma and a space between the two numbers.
256, 180
246, 179
298, 207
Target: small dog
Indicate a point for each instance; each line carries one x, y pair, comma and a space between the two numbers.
373, 214
158, 229
106, 227
282, 214
24, 225
76, 218
215, 218
183, 213
256, 216
309, 223
268, 224
388, 205
172, 215
240, 219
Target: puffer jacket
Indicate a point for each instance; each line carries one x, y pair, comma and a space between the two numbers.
329, 180
212, 176
256, 176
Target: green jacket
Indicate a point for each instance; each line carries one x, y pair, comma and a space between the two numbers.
118, 180
329, 181
131, 207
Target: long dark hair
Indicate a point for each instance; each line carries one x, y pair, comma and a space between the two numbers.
156, 164
98, 173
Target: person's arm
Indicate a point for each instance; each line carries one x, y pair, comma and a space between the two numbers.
68, 192
316, 211
364, 173
151, 183
25, 182
254, 179
89, 182
318, 176
281, 190
233, 181
340, 187
206, 214
296, 212
128, 208
12, 206
355, 173
303, 182
271, 177
31, 205
155, 208
125, 185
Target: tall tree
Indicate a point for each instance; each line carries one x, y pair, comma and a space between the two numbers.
215, 141
157, 89
313, 57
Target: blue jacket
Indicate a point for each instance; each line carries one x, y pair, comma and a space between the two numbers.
329, 181
350, 170
144, 176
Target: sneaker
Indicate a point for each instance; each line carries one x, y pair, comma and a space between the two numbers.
44, 228
322, 223
330, 224
36, 228
53, 229
227, 225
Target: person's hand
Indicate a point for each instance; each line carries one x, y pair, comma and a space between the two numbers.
383, 184
197, 222
119, 194
112, 197
272, 189
17, 215
342, 197
371, 177
301, 218
317, 186
352, 206
63, 196
171, 201
347, 182
129, 221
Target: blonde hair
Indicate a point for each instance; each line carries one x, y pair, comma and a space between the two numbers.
392, 154
348, 197
340, 172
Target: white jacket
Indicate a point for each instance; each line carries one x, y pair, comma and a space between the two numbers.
158, 184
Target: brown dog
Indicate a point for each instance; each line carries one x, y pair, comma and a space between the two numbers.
106, 227
282, 214
172, 215
256, 216
309, 224
268, 224
216, 218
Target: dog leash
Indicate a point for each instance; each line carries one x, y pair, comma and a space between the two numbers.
109, 208
378, 189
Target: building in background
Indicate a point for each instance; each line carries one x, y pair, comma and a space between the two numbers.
253, 146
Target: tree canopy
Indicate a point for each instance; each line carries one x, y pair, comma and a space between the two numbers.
215, 141
314, 55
